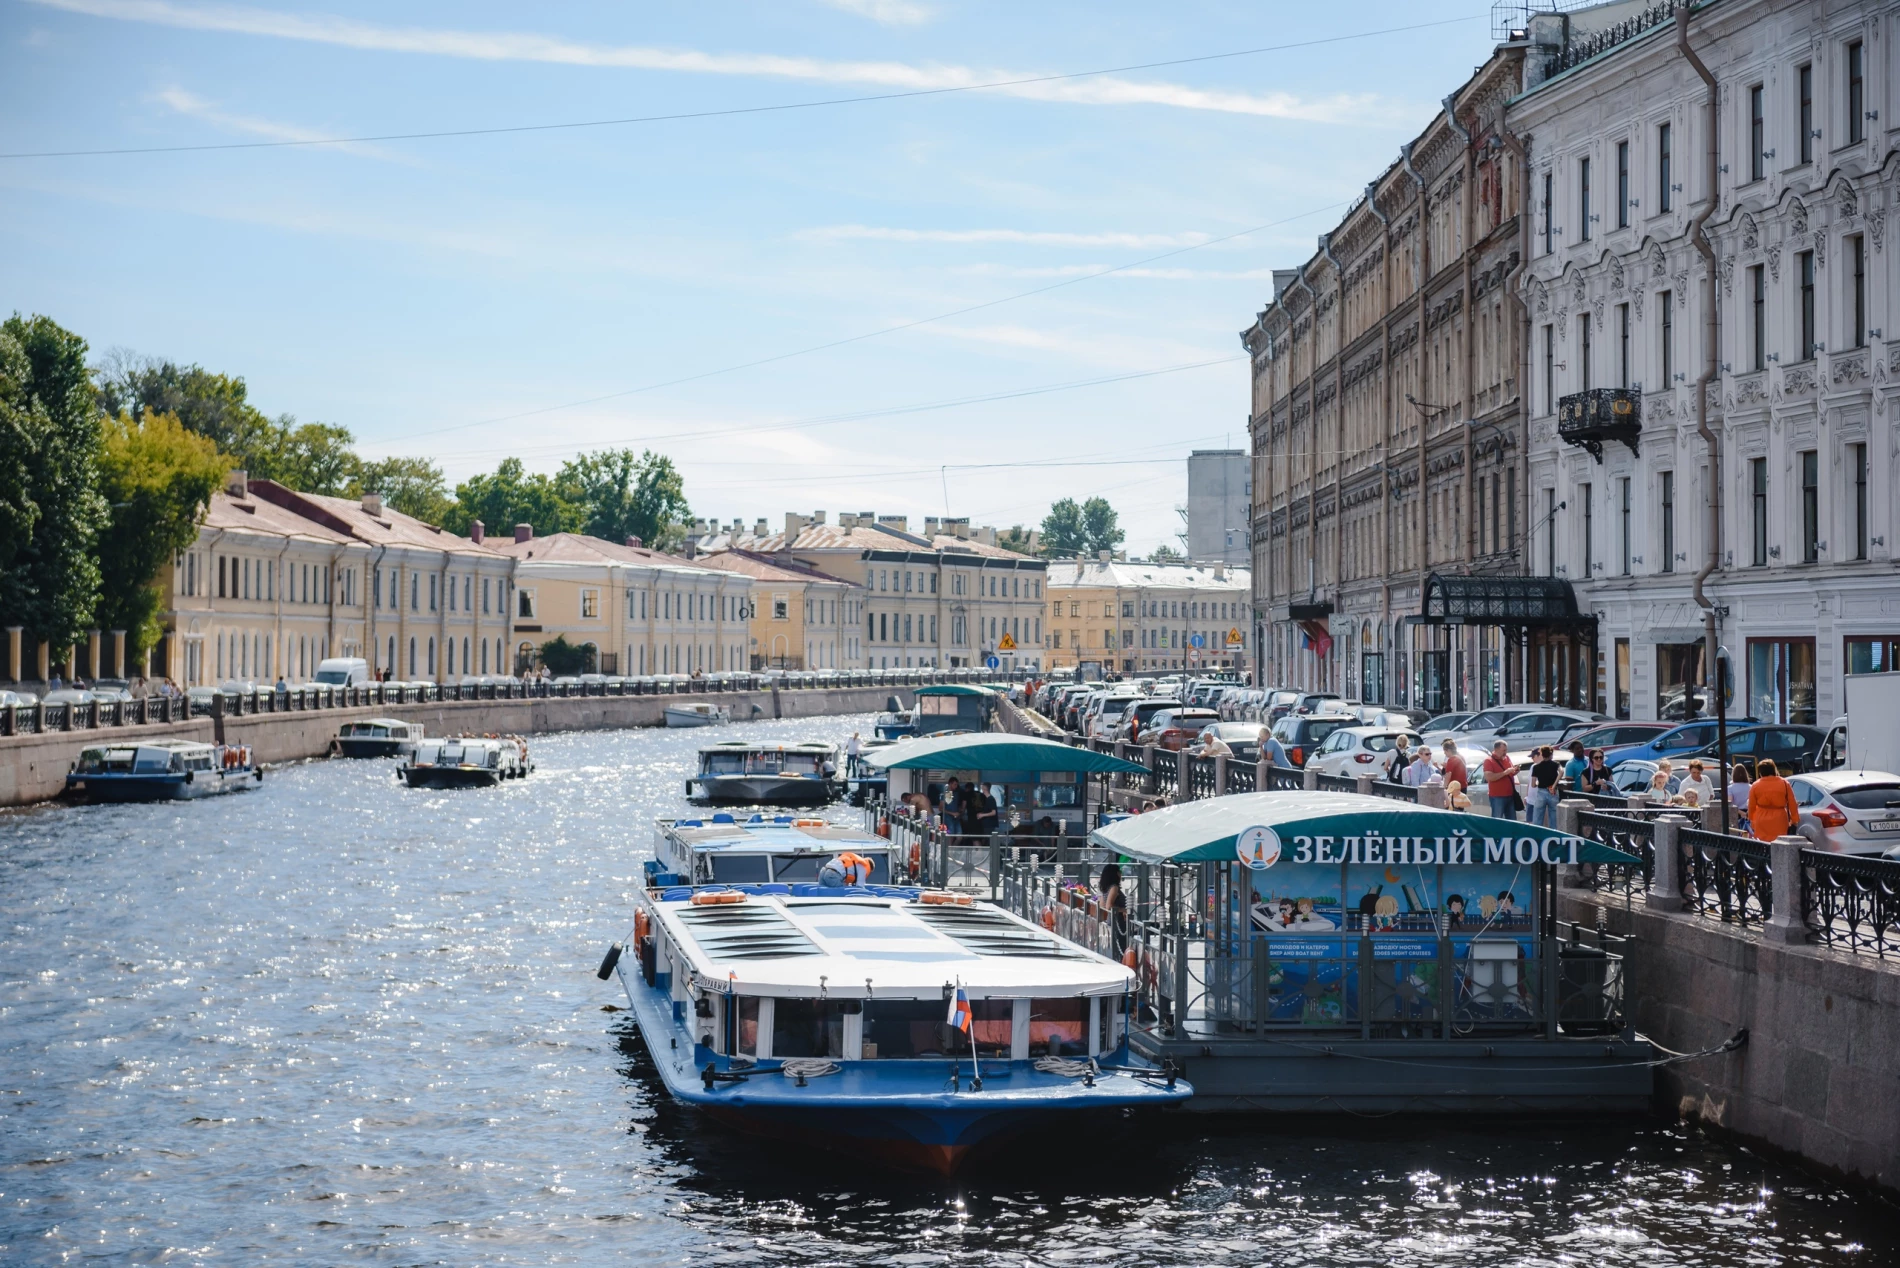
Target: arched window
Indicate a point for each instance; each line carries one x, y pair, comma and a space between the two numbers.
432, 657
412, 657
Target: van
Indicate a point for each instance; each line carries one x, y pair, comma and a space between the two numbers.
343, 671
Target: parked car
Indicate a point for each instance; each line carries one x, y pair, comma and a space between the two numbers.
1321, 702
1849, 811
343, 671
1690, 737
1279, 704
1791, 748
1242, 737
1613, 735
1109, 712
1359, 750
1299, 736
1174, 728
1476, 727
1444, 722
1133, 726
1527, 731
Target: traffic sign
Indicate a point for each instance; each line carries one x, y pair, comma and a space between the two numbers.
992, 662
1233, 637
1197, 641
1006, 644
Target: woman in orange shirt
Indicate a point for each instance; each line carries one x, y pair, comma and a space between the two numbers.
1771, 808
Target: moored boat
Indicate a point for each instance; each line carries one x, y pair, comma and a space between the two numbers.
377, 737
912, 1026
724, 849
162, 770
737, 773
696, 713
466, 761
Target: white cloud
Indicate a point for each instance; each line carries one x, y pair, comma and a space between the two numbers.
878, 233
889, 12
196, 107
499, 46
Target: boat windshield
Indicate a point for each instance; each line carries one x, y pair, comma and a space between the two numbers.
96, 761
723, 764
800, 763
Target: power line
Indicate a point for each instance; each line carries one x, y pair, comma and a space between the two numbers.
734, 110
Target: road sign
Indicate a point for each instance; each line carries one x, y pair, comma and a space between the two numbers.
1007, 644
1197, 641
1233, 637
992, 662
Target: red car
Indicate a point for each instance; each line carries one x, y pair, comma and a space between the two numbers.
1175, 729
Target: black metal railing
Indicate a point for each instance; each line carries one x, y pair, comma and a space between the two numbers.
1725, 876
1620, 832
1285, 779
1241, 776
1337, 783
1201, 777
1851, 902
1594, 415
1394, 792
1577, 51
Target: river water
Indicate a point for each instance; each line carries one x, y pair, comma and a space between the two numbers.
338, 1021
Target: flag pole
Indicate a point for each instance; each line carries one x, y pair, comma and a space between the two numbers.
976, 1070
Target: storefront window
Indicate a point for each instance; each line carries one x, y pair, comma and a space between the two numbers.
1781, 680
1372, 677
1623, 679
1875, 655
1678, 681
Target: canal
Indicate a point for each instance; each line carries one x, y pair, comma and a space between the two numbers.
338, 1021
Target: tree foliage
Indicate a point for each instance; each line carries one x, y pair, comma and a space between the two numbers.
414, 486
620, 495
49, 494
1166, 554
1081, 529
563, 657
158, 477
508, 496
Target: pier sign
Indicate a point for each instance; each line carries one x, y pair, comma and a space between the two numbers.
1258, 847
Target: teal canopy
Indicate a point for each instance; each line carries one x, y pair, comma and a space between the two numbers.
997, 753
1330, 827
954, 689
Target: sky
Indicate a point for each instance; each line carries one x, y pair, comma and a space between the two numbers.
902, 305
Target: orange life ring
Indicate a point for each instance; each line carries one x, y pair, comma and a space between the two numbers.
640, 925
1049, 919
717, 898
1130, 958
937, 897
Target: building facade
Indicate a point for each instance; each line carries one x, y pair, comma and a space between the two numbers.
800, 618
1806, 356
1125, 617
1219, 507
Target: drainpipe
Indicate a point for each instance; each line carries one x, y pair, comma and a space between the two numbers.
1711, 367
372, 599
1339, 423
1470, 252
1421, 271
1513, 286
1312, 459
1385, 413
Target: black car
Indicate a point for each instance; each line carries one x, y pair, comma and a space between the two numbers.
1791, 748
1300, 734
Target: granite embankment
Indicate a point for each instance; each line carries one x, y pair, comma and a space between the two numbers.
33, 767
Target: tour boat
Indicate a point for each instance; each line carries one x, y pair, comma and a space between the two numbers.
162, 770
823, 1015
466, 761
377, 737
737, 773
762, 848
863, 781
697, 713
896, 722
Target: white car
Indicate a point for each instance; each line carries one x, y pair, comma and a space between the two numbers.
1849, 811
1359, 750
1109, 714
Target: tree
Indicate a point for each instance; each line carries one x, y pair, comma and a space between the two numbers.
49, 446
1081, 530
158, 477
563, 657
308, 457
1166, 554
414, 486
621, 496
1014, 538
214, 405
511, 496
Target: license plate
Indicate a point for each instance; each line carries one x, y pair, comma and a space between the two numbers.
1883, 825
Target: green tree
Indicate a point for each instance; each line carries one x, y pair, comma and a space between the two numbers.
308, 457
158, 477
1014, 538
620, 495
511, 496
214, 405
1063, 532
1166, 554
563, 657
49, 447
414, 486
1100, 526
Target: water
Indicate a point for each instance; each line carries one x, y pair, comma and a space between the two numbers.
339, 1021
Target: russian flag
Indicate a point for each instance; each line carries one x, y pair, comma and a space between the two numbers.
959, 1011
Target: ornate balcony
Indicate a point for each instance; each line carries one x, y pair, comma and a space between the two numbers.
1590, 417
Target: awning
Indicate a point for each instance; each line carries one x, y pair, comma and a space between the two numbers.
954, 689
1528, 602
997, 752
1208, 831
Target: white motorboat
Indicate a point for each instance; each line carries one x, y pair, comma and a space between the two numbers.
466, 761
734, 772
697, 713
377, 737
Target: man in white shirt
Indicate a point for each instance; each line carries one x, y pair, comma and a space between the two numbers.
1419, 773
1698, 783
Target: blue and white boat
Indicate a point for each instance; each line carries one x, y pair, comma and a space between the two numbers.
820, 1014
760, 849
162, 770
735, 773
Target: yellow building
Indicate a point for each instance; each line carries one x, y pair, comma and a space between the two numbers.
1131, 617
801, 618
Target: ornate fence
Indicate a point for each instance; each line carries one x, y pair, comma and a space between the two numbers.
1851, 902
1620, 832
1726, 876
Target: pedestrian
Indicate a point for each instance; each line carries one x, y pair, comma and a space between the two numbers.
1114, 905
1400, 759
1738, 794
1272, 749
1500, 782
1543, 799
1454, 766
1420, 772
1771, 809
952, 807
54, 684
1573, 769
1697, 784
982, 819
1596, 776
1213, 746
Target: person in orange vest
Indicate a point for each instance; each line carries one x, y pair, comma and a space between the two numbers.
1771, 809
845, 869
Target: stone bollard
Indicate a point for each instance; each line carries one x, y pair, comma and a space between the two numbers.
1263, 774
1309, 779
1665, 884
1220, 774
1712, 817
1789, 924
1636, 801
1432, 795
1568, 823
1362, 784
1184, 776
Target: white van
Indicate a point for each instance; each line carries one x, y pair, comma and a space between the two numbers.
343, 671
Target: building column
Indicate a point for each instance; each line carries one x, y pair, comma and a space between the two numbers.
45, 661
92, 655
118, 655
13, 651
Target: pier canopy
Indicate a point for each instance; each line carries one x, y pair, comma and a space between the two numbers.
954, 689
991, 752
1325, 827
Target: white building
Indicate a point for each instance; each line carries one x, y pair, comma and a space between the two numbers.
1133, 617
1808, 352
1220, 507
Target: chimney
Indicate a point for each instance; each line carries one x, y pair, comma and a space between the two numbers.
818, 517
633, 541
476, 529
794, 524
238, 484
986, 535
699, 528
692, 548
899, 522
524, 532
1220, 572
761, 528
1104, 555
932, 525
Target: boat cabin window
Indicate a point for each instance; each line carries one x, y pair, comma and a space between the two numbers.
741, 869
1058, 1027
725, 763
798, 763
943, 706
451, 755
748, 1036
791, 869
899, 1028
157, 761
808, 1028
100, 760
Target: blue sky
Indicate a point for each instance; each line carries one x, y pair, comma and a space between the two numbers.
474, 297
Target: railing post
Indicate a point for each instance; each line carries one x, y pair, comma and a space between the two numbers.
1665, 885
1220, 774
1309, 779
1362, 784
1432, 795
1183, 776
1712, 816
1789, 923
1636, 801
1568, 812
1151, 758
1263, 774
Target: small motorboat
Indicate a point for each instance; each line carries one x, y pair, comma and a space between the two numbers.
697, 713
762, 848
896, 722
466, 761
162, 770
863, 781
377, 737
737, 773
912, 1026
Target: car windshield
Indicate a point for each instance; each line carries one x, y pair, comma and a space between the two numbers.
1489, 720
333, 677
1317, 730
1869, 797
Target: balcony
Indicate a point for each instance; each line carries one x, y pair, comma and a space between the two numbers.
1590, 417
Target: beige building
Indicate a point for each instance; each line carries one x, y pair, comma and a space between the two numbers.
801, 618
279, 580
642, 611
1133, 617
948, 597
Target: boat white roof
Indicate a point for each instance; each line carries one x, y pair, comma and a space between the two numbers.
748, 746
778, 833
173, 744
854, 947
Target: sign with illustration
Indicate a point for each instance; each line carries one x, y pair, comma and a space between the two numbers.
1006, 644
1258, 847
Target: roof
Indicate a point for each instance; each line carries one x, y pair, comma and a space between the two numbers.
1208, 830
768, 568
391, 528
580, 548
954, 689
256, 515
1120, 574
861, 537
1017, 753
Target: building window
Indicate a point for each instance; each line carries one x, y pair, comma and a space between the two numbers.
1678, 677
1758, 511
1583, 351
781, 607
590, 604
1668, 482
524, 605
1804, 267
1547, 212
1804, 115
1622, 686
1623, 346
1583, 199
1857, 293
1589, 552
1667, 306
1758, 321
1875, 655
1550, 369
1857, 456
1810, 505
1550, 532
1665, 192
1781, 680
1757, 160
1856, 93
1510, 509
1623, 515
1622, 184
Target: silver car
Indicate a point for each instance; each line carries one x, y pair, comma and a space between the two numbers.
1849, 811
